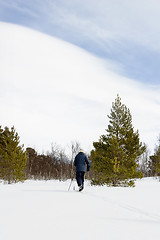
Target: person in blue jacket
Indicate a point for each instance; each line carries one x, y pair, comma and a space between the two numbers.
80, 163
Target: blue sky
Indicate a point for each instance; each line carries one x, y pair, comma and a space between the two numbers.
125, 32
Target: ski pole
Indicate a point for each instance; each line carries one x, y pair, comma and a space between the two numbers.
74, 149
70, 184
71, 175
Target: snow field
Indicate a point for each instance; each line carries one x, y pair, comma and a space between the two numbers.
46, 210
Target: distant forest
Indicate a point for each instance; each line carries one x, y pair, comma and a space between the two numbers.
117, 158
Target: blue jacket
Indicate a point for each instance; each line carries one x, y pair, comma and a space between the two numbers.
80, 162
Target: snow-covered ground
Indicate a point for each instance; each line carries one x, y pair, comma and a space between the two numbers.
46, 210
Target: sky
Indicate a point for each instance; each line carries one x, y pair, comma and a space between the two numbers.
81, 55
125, 32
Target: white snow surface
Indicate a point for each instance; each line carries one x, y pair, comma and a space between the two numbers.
38, 210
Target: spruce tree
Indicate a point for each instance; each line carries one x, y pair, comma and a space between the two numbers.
12, 156
154, 163
115, 157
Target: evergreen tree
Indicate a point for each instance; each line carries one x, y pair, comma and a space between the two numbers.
12, 156
115, 158
154, 163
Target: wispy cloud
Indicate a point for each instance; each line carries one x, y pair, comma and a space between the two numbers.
126, 32
20, 6
121, 20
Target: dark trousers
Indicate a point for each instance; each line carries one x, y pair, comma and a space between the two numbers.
80, 178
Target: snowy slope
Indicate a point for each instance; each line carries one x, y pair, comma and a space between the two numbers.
52, 91
46, 210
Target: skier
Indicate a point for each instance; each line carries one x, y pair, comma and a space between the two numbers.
80, 163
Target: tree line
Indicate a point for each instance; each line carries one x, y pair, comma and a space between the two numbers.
18, 164
117, 158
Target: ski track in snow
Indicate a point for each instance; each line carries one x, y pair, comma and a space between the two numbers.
128, 207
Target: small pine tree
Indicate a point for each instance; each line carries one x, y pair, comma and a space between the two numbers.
114, 159
12, 156
154, 163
